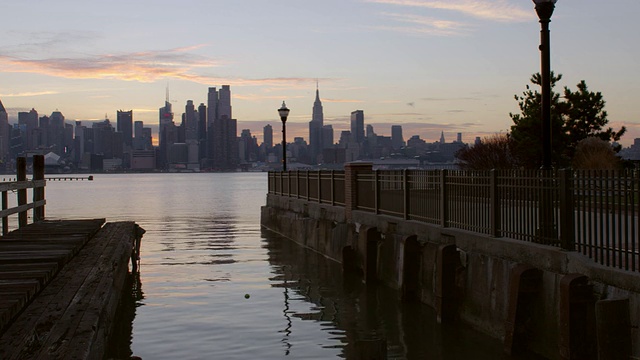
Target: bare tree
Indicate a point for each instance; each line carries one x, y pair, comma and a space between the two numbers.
493, 152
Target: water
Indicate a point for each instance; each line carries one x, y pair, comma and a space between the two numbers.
213, 285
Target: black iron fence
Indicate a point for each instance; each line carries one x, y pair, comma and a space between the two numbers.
594, 212
324, 186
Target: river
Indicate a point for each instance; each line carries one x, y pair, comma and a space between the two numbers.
214, 285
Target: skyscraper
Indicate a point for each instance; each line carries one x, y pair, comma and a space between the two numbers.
191, 121
202, 130
28, 122
327, 136
212, 113
315, 128
165, 135
224, 102
124, 124
267, 137
397, 141
357, 126
225, 141
4, 132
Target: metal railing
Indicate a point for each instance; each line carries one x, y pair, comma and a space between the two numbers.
324, 186
594, 212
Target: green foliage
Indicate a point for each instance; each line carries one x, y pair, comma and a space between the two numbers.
526, 132
574, 117
585, 116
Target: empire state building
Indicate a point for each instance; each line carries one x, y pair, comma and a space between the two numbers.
315, 128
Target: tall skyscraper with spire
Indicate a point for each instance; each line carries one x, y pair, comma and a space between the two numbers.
315, 128
166, 136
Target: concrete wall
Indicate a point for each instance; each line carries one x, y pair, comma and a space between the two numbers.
523, 293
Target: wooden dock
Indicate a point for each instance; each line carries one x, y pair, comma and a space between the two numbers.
60, 284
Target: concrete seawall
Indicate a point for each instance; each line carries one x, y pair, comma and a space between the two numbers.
536, 298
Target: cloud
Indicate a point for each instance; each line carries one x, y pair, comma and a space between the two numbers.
342, 101
145, 110
49, 41
424, 25
467, 98
254, 97
493, 10
144, 66
27, 94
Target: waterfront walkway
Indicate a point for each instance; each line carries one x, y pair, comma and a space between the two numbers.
60, 284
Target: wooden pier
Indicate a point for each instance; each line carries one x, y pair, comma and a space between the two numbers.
60, 284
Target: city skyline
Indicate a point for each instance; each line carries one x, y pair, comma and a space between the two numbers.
426, 65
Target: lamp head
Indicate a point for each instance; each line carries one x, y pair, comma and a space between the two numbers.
544, 8
284, 112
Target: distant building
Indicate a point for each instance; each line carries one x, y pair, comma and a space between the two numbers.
125, 126
225, 141
327, 136
357, 126
167, 134
316, 143
632, 152
143, 160
267, 136
397, 141
5, 136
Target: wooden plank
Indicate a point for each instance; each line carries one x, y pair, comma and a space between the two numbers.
62, 239
72, 316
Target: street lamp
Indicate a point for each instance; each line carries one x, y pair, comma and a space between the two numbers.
284, 112
544, 8
548, 232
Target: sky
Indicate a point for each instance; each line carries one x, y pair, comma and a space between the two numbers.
431, 66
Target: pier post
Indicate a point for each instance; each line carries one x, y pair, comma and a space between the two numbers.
524, 283
445, 287
38, 192
613, 329
576, 323
21, 166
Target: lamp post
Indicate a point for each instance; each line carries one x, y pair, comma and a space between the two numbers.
548, 232
284, 112
544, 8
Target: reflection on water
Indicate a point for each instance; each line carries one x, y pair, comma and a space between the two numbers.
347, 311
217, 287
119, 346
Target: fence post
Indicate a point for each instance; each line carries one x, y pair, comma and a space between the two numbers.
308, 184
319, 172
444, 208
21, 165
376, 187
495, 204
351, 186
5, 219
567, 222
405, 186
333, 194
38, 192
